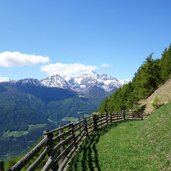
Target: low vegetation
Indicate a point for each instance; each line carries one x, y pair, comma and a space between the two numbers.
136, 145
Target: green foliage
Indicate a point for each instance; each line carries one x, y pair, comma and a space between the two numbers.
25, 111
166, 64
133, 145
147, 79
9, 164
103, 106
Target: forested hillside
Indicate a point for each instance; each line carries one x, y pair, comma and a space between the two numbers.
151, 74
26, 110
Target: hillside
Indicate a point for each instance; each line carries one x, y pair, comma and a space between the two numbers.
26, 110
148, 78
161, 96
135, 145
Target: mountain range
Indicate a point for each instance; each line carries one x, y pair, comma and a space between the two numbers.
83, 82
77, 83
29, 106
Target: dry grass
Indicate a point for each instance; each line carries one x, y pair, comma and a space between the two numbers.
161, 96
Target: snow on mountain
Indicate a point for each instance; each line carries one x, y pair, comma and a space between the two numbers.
86, 81
79, 83
83, 82
124, 81
29, 81
55, 81
4, 79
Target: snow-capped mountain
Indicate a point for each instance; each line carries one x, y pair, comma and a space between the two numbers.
83, 82
80, 83
124, 81
86, 81
55, 81
29, 81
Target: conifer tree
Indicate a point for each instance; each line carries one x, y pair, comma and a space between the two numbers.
166, 64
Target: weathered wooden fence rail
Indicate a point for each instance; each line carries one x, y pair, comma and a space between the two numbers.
58, 146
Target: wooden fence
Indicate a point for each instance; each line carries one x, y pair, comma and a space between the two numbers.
58, 146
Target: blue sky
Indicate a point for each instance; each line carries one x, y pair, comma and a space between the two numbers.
81, 35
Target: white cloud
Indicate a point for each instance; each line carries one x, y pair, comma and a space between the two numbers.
106, 65
67, 69
9, 59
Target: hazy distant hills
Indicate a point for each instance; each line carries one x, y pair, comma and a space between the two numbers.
29, 106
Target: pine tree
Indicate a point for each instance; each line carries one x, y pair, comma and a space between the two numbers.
147, 78
166, 64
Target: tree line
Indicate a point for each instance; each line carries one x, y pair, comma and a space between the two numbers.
151, 74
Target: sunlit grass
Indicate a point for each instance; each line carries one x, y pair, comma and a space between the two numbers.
129, 146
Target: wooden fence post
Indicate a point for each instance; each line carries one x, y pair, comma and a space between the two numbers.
106, 119
1, 166
111, 117
141, 115
85, 126
132, 113
80, 127
49, 137
95, 122
49, 145
73, 134
124, 116
62, 147
117, 116
101, 122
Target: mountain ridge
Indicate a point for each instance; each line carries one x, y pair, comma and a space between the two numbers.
78, 83
83, 82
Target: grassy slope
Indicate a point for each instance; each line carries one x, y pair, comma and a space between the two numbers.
131, 146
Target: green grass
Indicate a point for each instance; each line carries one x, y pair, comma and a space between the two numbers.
12, 161
14, 134
22, 133
70, 119
129, 146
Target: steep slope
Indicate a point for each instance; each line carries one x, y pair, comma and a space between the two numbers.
46, 94
136, 145
27, 108
95, 95
161, 96
23, 117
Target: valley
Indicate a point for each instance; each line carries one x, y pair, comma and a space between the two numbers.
30, 106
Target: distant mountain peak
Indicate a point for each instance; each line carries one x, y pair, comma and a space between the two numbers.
29, 81
55, 81
83, 82
78, 83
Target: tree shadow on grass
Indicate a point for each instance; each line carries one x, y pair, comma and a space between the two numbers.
87, 157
